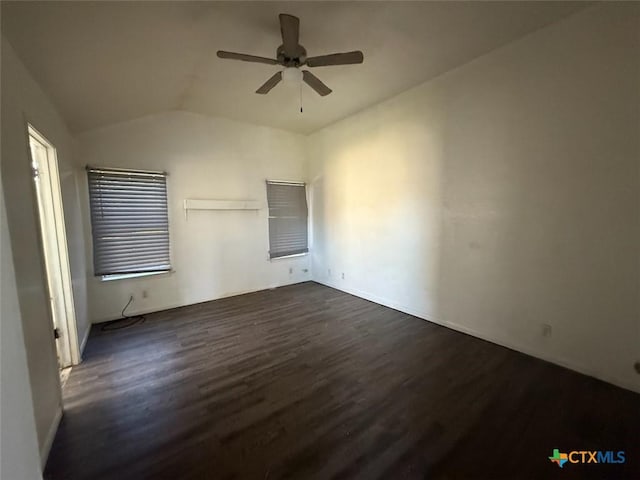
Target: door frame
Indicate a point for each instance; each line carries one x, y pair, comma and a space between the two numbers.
53, 243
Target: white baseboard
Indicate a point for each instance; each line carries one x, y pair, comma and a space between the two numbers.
84, 340
571, 365
51, 435
160, 308
143, 311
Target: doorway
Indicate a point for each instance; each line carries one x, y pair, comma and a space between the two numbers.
46, 178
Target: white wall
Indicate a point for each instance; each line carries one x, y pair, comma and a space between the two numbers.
19, 455
23, 101
500, 196
214, 253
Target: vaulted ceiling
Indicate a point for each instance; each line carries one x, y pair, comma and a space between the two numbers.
105, 62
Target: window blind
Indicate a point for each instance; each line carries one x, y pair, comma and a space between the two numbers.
287, 218
129, 221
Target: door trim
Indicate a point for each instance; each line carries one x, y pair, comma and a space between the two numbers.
59, 257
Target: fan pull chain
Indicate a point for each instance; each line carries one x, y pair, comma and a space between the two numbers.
300, 97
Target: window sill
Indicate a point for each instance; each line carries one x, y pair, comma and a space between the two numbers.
289, 256
124, 276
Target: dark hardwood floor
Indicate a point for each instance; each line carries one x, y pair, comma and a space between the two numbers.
308, 382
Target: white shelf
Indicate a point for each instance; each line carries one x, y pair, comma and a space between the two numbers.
198, 204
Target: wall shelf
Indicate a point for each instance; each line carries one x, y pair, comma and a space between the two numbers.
199, 204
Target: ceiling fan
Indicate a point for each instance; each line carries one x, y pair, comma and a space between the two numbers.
292, 56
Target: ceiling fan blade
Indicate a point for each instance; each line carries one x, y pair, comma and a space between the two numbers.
246, 58
269, 84
315, 83
290, 30
346, 58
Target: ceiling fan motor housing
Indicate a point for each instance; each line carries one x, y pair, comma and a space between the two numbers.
294, 59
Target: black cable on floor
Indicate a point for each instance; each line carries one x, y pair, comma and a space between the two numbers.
118, 325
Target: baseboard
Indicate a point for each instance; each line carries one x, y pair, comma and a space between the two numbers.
51, 435
161, 308
84, 340
142, 311
474, 333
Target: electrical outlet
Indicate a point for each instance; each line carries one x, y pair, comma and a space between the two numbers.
343, 275
290, 270
145, 294
546, 330
305, 270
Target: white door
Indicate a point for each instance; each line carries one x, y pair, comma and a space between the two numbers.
54, 247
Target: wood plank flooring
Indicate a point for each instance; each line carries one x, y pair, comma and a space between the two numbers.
307, 382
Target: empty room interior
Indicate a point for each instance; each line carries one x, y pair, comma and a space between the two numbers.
320, 240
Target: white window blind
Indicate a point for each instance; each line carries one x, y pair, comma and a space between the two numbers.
129, 221
287, 218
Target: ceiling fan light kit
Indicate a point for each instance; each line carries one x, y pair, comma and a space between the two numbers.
292, 76
292, 56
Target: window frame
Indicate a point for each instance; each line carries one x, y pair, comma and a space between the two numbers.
297, 183
108, 277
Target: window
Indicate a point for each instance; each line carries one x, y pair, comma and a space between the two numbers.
287, 218
129, 221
